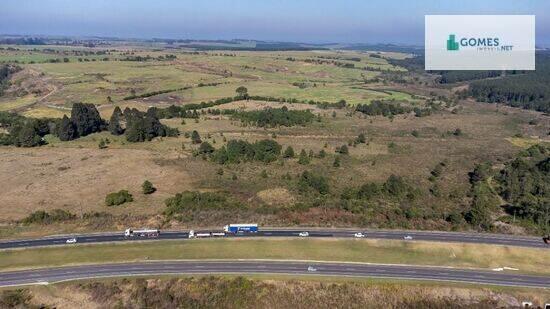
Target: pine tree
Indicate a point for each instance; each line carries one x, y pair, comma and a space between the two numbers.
66, 130
147, 187
114, 123
343, 150
206, 148
86, 119
303, 159
195, 137
289, 152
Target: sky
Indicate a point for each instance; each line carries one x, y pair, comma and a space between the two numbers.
312, 21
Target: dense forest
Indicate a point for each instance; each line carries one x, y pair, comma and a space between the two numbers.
525, 185
529, 91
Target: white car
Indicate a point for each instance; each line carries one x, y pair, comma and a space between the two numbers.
359, 235
311, 268
71, 241
408, 237
303, 234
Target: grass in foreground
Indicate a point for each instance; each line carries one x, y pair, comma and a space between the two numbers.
527, 260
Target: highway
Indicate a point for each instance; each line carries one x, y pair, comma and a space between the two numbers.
52, 275
479, 238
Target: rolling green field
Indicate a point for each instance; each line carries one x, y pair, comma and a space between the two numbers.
263, 73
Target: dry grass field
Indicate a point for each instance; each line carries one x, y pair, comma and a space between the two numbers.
76, 175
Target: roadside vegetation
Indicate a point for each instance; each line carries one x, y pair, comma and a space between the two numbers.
264, 291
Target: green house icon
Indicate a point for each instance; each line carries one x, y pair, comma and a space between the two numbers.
451, 43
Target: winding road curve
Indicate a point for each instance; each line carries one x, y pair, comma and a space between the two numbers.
52, 275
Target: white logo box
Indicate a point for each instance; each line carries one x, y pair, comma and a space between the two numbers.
517, 32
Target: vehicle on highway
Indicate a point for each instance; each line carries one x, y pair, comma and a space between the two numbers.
241, 228
71, 241
218, 234
546, 240
408, 237
359, 235
193, 234
303, 234
311, 268
142, 233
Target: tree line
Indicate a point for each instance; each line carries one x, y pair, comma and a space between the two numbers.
237, 151
273, 117
85, 119
388, 108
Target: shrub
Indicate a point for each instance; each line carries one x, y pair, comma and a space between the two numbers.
316, 182
118, 198
43, 217
199, 201
303, 159
206, 148
147, 187
289, 152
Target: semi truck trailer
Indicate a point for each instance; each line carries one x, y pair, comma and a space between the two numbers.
193, 234
141, 233
241, 228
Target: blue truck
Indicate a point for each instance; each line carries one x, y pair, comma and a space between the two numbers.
241, 228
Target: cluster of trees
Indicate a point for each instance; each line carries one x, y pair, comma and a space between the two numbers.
484, 200
449, 77
140, 126
381, 107
394, 187
198, 201
311, 181
22, 41
273, 117
530, 90
388, 108
25, 132
525, 185
85, 120
190, 110
237, 151
148, 58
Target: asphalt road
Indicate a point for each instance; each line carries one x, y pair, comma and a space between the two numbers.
481, 238
52, 275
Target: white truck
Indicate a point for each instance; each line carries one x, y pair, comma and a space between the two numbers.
141, 233
193, 234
